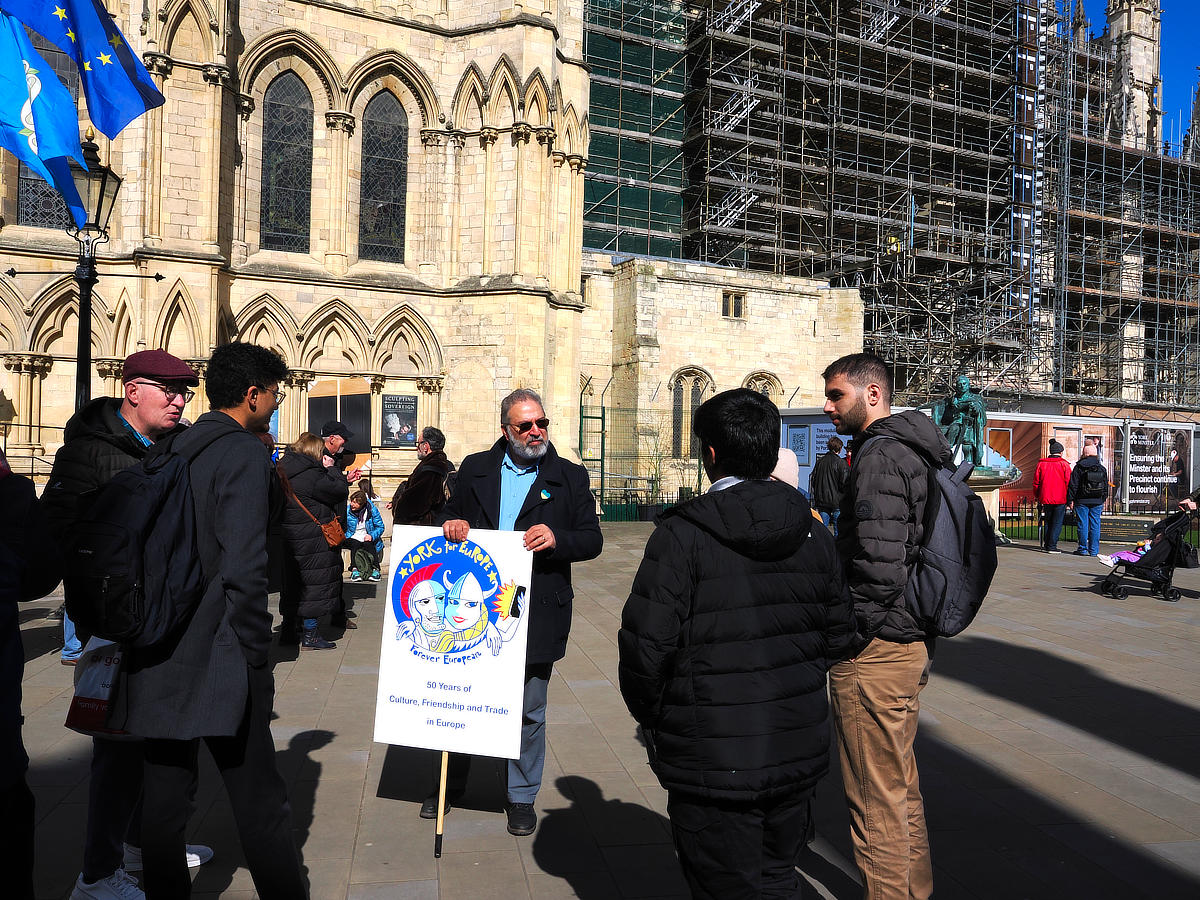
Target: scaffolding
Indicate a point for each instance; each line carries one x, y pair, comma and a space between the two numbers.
971, 166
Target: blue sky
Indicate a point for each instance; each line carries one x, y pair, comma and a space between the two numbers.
1180, 56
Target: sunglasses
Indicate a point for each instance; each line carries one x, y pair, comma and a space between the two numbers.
524, 427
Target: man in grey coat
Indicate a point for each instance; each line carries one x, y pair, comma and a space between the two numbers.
214, 681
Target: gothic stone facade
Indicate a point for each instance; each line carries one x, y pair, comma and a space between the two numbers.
482, 293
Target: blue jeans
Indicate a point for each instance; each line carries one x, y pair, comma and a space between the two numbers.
1089, 527
829, 519
72, 646
1052, 519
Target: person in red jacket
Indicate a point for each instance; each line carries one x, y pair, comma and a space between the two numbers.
1050, 480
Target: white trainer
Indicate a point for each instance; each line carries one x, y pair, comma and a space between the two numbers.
197, 855
117, 886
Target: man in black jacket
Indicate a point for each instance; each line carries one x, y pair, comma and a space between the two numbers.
424, 493
213, 681
1086, 492
737, 611
827, 483
874, 695
522, 484
106, 436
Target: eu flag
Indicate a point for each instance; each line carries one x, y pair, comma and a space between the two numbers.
116, 84
39, 123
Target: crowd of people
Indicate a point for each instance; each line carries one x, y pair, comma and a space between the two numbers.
750, 626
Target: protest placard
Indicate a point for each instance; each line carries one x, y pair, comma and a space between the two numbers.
452, 658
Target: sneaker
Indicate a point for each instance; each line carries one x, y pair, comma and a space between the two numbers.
356, 575
374, 576
117, 886
1106, 560
522, 819
69, 660
197, 855
1053, 550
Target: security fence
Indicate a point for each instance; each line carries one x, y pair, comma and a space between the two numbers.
1022, 521
640, 461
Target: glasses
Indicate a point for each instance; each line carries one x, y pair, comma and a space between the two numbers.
170, 392
524, 427
279, 395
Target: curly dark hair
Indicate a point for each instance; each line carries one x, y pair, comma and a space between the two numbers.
235, 368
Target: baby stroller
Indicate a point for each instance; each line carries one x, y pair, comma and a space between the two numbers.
1157, 565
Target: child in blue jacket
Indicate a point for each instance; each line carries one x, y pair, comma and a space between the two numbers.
364, 537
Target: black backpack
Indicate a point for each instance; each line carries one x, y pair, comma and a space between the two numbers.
956, 561
1093, 484
133, 571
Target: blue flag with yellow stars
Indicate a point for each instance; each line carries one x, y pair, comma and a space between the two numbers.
116, 84
39, 123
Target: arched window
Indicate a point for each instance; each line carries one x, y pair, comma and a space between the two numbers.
384, 180
689, 388
286, 165
766, 384
39, 204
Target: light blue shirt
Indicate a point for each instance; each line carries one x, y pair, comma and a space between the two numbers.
721, 483
515, 483
146, 442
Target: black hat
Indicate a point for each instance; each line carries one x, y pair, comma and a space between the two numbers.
1055, 447
333, 426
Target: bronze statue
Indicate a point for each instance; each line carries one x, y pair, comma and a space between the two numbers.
962, 417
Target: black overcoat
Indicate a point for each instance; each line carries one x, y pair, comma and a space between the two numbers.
312, 569
560, 498
196, 685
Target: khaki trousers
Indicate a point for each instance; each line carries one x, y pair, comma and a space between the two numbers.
874, 701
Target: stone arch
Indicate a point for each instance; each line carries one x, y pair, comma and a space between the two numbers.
406, 345
765, 383
335, 330
267, 322
279, 46
689, 387
470, 99
585, 136
54, 313
569, 129
536, 100
390, 62
122, 326
185, 14
177, 329
505, 98
12, 335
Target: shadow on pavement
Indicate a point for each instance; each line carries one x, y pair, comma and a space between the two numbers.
1139, 720
411, 774
594, 836
993, 838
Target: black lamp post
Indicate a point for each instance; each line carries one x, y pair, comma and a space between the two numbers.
97, 186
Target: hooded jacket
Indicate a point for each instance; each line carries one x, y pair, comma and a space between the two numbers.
736, 614
419, 499
882, 520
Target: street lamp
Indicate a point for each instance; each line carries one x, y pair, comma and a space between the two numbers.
97, 186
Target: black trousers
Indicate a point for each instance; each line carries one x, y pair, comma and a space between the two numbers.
740, 851
114, 805
16, 839
256, 793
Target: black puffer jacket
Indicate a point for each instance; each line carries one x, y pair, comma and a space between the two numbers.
97, 446
312, 569
736, 614
882, 518
828, 480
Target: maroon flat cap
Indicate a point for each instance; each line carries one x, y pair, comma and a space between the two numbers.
157, 365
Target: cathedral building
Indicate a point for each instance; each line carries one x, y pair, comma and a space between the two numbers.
387, 192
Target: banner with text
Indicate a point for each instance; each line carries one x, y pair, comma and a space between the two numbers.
452, 660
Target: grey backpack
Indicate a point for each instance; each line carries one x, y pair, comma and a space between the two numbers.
957, 557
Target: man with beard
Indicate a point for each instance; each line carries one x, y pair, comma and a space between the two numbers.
522, 484
423, 495
874, 693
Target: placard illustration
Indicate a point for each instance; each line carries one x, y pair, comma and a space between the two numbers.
452, 660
